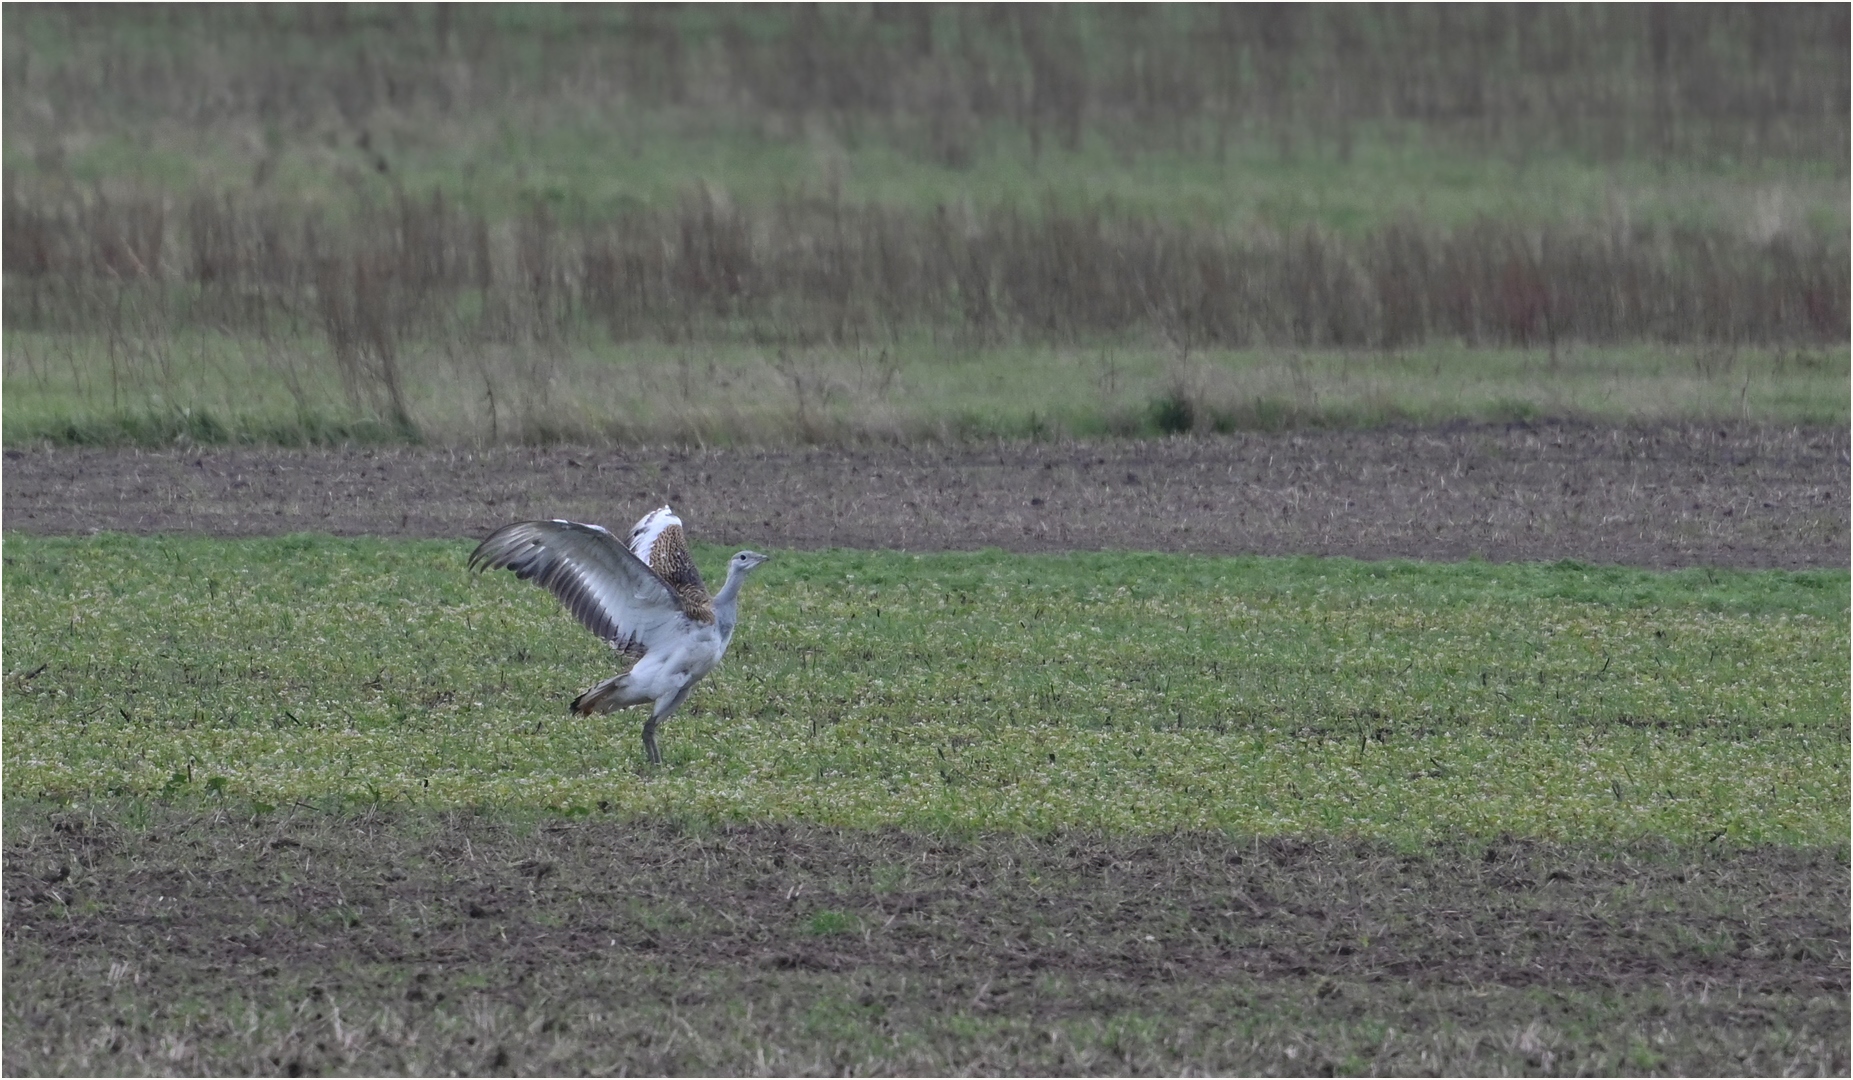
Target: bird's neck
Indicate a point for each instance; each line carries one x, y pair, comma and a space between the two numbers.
727, 602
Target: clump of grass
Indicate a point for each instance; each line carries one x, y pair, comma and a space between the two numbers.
1117, 692
1174, 413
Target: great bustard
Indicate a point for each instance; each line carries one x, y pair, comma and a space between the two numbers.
647, 601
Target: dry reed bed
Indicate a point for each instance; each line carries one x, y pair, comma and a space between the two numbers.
809, 270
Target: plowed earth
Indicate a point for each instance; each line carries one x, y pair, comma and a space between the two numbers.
209, 943
1739, 496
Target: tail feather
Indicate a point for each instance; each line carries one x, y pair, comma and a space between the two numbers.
613, 693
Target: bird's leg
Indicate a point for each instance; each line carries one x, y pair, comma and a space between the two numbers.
649, 740
660, 711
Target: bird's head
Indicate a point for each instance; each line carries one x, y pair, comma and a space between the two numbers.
745, 560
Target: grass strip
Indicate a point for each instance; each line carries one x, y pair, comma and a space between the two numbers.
215, 389
1125, 693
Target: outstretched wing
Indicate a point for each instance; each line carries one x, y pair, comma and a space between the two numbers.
605, 587
658, 540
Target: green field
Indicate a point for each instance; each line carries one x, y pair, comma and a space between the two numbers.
1136, 693
314, 805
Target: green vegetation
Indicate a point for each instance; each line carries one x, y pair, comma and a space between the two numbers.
604, 167
967, 692
211, 388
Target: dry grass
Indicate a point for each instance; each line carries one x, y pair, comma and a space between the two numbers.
812, 321
806, 271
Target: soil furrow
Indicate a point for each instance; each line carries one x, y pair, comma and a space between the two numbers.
1739, 496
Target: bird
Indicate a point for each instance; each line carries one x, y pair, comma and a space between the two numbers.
644, 598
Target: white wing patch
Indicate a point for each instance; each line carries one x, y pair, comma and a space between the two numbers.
582, 525
645, 532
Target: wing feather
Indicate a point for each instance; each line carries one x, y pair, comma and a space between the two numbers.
658, 540
593, 575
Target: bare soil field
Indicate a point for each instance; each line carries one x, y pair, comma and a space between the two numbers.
1720, 495
210, 941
